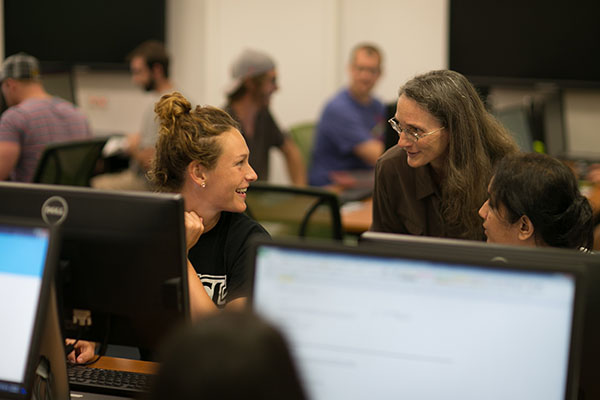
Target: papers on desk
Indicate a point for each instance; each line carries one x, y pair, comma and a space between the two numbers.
115, 145
351, 206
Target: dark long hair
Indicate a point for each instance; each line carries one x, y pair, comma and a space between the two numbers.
546, 190
227, 356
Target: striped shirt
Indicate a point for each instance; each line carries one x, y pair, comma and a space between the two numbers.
35, 123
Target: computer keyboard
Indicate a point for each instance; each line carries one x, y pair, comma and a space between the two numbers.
106, 381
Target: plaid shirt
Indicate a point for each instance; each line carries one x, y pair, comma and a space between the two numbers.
35, 123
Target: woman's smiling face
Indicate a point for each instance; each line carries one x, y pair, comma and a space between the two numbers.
226, 184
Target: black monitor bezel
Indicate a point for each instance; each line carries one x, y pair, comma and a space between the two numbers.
36, 194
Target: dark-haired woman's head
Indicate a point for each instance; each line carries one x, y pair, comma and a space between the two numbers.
202, 150
230, 355
534, 200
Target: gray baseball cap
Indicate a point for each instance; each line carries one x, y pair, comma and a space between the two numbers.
249, 64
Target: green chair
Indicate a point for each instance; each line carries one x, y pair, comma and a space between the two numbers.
290, 211
303, 135
69, 163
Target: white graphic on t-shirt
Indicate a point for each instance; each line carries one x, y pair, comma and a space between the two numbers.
216, 287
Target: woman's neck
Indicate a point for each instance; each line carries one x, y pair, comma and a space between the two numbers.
210, 222
191, 197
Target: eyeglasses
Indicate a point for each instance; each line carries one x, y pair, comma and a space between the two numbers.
411, 134
370, 70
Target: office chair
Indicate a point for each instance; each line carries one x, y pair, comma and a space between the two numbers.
69, 163
295, 211
303, 135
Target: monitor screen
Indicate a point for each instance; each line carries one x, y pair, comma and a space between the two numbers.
365, 323
26, 265
517, 121
122, 275
525, 42
590, 347
92, 33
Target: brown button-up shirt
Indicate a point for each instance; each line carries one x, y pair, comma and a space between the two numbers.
405, 199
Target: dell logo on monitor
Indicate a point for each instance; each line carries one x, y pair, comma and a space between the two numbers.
55, 210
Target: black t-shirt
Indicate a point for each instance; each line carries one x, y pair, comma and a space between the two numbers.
220, 257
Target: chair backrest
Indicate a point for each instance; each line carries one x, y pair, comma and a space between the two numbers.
303, 135
295, 211
69, 163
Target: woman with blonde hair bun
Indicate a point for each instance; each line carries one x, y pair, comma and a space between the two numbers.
201, 154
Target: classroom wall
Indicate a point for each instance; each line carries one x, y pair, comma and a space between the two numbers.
311, 55
310, 41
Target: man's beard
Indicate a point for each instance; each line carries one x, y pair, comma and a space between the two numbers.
261, 98
150, 85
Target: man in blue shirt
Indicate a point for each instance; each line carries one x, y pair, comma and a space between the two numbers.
349, 132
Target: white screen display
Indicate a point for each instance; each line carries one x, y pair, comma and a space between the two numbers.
22, 261
365, 327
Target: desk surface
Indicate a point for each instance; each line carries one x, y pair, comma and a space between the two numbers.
357, 218
125, 364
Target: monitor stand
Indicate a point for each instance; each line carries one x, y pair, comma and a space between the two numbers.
53, 349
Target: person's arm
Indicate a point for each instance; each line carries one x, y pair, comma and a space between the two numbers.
369, 151
237, 304
9, 155
143, 149
139, 151
200, 302
295, 164
345, 128
144, 156
593, 174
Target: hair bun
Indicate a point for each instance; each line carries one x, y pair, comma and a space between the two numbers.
171, 106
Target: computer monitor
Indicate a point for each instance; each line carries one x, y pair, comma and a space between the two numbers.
28, 253
517, 120
367, 322
590, 347
390, 136
122, 268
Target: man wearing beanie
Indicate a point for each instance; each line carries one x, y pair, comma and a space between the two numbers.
33, 120
254, 80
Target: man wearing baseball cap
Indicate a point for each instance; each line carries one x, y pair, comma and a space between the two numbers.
33, 120
254, 80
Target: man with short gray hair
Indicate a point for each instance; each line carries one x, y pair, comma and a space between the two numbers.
349, 132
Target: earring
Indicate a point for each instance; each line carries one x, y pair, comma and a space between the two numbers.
203, 184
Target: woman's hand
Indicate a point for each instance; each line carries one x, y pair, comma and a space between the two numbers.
194, 227
83, 351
